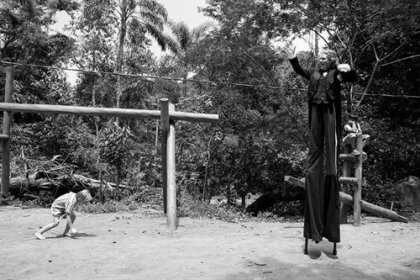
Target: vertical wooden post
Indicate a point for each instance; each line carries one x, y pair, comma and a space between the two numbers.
171, 193
168, 126
164, 119
5, 144
316, 45
345, 188
357, 196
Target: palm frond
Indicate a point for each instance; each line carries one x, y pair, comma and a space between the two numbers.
153, 7
151, 18
162, 39
182, 34
200, 31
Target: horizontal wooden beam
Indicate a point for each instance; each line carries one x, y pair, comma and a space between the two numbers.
351, 180
4, 137
348, 180
350, 157
193, 117
109, 112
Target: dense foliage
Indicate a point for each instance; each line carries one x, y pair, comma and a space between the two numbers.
236, 68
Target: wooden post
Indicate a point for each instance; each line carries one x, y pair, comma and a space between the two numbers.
357, 196
345, 188
172, 222
5, 144
164, 119
168, 127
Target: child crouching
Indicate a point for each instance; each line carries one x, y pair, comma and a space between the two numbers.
63, 207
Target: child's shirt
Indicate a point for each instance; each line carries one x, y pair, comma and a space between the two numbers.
64, 204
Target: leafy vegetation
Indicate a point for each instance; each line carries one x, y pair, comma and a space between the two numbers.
245, 78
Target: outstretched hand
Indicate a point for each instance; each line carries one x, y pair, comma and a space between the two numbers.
343, 67
291, 52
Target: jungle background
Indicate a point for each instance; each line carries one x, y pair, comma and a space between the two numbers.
236, 67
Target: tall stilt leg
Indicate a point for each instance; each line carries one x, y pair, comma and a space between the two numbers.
335, 249
305, 251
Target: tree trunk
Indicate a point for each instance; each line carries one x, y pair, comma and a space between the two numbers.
120, 55
118, 182
243, 202
95, 118
206, 172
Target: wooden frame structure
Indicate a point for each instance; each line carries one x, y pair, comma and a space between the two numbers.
167, 115
354, 161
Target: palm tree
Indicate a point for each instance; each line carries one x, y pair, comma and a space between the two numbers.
185, 39
147, 14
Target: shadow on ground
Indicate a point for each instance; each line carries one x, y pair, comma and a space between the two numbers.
74, 236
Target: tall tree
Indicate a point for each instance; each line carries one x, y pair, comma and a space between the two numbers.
96, 29
185, 36
239, 58
25, 38
146, 15
185, 39
369, 34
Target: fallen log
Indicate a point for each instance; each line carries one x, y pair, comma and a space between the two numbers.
348, 199
95, 183
20, 186
267, 200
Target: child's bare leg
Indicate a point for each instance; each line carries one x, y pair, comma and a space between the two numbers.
46, 228
66, 230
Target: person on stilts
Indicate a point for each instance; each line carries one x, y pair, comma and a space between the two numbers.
322, 203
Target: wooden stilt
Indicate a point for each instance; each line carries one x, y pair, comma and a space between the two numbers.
305, 251
335, 249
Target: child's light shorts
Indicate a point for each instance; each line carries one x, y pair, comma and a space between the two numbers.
58, 213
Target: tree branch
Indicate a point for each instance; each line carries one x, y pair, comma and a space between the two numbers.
401, 59
394, 51
370, 82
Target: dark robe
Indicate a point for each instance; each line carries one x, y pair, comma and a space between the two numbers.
322, 211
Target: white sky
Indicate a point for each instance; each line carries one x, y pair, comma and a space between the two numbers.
186, 11
183, 10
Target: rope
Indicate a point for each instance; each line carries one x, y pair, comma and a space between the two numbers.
137, 75
183, 80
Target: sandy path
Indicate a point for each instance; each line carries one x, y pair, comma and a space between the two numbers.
135, 245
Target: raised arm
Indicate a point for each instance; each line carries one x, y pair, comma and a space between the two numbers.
298, 69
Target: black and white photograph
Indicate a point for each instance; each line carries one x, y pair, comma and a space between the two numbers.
210, 139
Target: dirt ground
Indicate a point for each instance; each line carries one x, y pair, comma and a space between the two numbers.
137, 245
